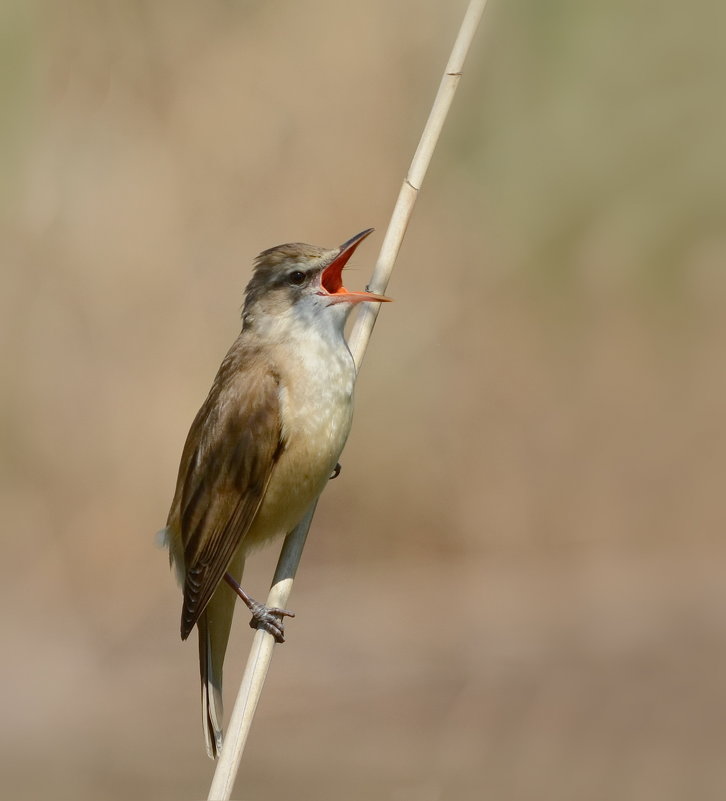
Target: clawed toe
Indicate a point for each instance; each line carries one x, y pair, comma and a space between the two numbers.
269, 619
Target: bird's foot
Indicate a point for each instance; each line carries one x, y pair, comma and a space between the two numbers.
269, 619
336, 471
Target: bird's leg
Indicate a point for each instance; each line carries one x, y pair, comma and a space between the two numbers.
336, 471
263, 617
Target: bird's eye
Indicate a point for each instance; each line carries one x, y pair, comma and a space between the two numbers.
296, 277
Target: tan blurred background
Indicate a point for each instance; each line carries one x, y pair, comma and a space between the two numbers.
516, 588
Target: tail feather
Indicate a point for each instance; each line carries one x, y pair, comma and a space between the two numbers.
211, 692
214, 626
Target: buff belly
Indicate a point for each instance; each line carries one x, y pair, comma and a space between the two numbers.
316, 426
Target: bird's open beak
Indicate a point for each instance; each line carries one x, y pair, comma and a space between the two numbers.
332, 277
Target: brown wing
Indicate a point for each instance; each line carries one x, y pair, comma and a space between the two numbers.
232, 446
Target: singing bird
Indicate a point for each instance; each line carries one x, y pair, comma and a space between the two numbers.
263, 445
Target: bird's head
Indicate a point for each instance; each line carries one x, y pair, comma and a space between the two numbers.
299, 280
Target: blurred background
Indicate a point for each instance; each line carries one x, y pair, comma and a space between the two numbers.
515, 590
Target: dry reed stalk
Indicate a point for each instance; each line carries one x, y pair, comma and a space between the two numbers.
260, 656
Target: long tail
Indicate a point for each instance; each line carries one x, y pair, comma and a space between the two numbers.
214, 626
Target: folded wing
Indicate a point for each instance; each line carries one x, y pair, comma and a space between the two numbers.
230, 452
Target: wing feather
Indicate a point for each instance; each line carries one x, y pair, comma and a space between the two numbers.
232, 447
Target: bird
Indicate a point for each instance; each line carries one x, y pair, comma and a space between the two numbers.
263, 445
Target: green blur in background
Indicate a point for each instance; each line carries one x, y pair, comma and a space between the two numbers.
515, 590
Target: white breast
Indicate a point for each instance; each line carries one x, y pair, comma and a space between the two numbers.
316, 403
